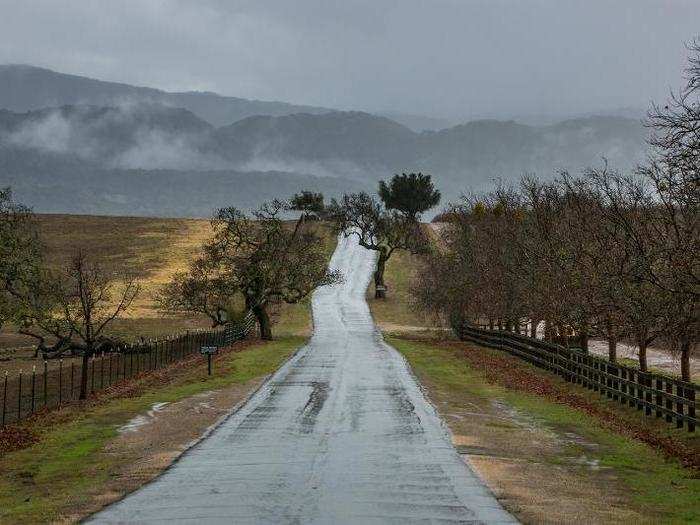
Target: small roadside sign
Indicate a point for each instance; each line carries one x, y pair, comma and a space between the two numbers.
208, 351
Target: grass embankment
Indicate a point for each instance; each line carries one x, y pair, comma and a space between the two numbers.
68, 468
395, 314
553, 452
631, 480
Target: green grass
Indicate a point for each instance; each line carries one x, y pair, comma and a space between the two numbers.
69, 463
396, 310
662, 488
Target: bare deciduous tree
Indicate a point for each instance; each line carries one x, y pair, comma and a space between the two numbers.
76, 306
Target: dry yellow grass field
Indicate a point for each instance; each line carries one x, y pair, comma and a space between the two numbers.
153, 250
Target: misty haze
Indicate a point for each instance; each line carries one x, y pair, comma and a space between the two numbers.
349, 262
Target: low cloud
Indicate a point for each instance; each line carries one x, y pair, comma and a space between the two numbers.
128, 136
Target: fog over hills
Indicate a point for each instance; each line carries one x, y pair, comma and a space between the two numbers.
99, 147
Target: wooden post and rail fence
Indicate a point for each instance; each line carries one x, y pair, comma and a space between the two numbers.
655, 395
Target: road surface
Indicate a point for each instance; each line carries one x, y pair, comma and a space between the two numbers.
340, 434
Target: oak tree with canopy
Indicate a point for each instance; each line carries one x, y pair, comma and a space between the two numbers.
20, 254
260, 256
377, 229
411, 194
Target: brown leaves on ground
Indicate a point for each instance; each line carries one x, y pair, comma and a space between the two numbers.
514, 374
16, 437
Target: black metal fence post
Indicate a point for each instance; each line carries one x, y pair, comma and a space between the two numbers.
4, 400
149, 356
19, 397
33, 388
46, 375
72, 376
690, 395
60, 382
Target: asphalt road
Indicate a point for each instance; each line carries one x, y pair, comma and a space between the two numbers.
340, 434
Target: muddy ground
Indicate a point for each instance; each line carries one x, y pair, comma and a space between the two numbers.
151, 442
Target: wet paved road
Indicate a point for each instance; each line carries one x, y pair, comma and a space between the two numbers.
340, 434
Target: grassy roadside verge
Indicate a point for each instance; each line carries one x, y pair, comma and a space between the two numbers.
69, 464
648, 487
552, 452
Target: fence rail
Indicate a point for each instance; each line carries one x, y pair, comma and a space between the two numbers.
26, 393
655, 394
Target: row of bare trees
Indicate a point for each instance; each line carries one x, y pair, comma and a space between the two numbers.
604, 254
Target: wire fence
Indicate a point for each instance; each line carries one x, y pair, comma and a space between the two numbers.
654, 394
26, 393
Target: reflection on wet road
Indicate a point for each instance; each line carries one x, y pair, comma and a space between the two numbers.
340, 434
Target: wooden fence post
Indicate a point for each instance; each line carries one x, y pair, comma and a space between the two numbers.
635, 390
691, 408
647, 395
679, 406
669, 403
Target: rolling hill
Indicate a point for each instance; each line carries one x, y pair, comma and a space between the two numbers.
24, 88
134, 150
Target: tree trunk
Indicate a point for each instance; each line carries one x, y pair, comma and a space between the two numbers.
685, 360
583, 340
612, 348
642, 354
260, 312
84, 368
379, 287
612, 341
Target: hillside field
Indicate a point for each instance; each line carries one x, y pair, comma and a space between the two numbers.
153, 250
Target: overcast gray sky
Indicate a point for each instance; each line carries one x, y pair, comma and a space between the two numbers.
440, 57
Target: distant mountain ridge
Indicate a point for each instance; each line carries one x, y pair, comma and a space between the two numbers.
24, 88
42, 150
